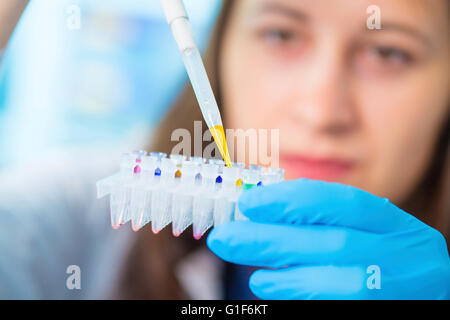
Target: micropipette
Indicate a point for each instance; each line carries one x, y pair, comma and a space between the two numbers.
178, 20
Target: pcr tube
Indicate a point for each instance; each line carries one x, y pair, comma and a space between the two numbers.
183, 198
162, 196
178, 159
118, 198
159, 156
141, 194
273, 175
225, 201
203, 205
130, 184
241, 167
250, 178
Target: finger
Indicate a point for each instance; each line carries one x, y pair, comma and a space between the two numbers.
312, 282
275, 246
316, 202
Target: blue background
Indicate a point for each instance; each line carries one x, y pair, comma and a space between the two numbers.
107, 83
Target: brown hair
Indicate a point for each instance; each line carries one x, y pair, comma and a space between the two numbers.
150, 274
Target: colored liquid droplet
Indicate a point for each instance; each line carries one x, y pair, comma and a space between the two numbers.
259, 184
247, 186
158, 172
178, 174
137, 170
197, 236
219, 137
239, 183
219, 179
176, 233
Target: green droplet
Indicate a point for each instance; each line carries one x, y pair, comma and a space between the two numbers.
246, 186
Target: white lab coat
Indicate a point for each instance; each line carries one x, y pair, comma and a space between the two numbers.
50, 219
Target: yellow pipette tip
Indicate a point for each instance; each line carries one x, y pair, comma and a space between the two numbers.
218, 134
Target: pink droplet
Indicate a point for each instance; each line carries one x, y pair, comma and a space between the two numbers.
137, 170
197, 236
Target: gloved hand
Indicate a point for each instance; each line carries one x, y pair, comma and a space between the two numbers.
331, 241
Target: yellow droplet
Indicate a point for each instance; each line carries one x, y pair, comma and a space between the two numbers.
219, 137
239, 183
178, 174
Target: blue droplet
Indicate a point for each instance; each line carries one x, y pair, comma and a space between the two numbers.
198, 177
259, 184
219, 179
158, 172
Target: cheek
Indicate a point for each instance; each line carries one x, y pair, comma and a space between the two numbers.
398, 154
252, 91
402, 123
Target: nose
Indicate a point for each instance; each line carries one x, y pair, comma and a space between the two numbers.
324, 102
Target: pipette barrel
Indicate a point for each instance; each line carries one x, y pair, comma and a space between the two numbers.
177, 18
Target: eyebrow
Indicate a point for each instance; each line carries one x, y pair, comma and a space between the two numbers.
395, 27
292, 13
296, 14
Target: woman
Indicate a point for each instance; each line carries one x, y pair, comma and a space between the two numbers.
363, 108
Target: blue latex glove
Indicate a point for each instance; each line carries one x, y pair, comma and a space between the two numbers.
330, 241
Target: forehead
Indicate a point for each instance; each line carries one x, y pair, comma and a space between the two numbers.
431, 15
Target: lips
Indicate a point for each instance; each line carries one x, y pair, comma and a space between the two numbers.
323, 168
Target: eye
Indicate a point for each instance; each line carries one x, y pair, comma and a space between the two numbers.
392, 55
377, 59
280, 36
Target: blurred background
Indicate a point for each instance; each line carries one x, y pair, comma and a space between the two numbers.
84, 73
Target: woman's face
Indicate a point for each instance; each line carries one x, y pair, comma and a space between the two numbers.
357, 106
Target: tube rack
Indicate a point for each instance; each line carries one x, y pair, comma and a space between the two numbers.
162, 190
